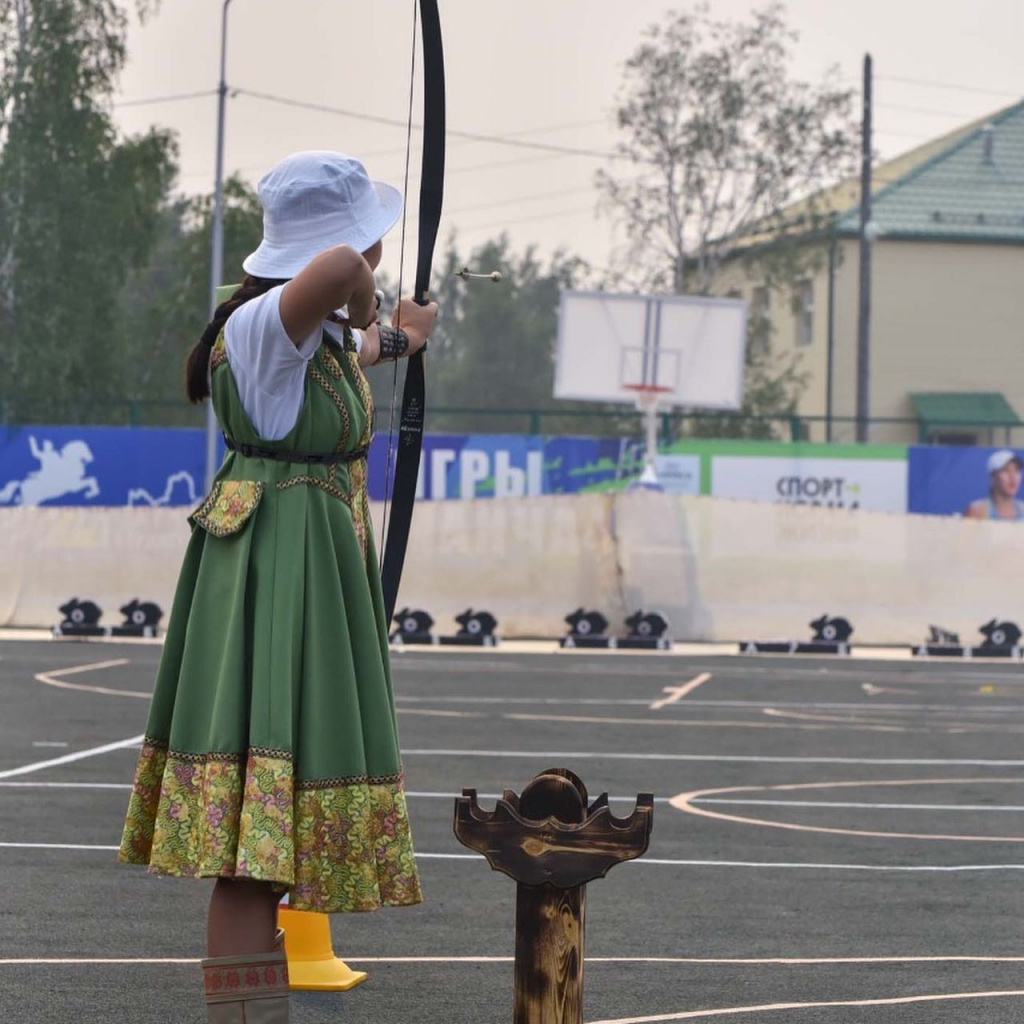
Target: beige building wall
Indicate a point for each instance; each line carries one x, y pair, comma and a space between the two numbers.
789, 337
945, 317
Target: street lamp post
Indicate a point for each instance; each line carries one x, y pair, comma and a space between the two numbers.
867, 236
217, 245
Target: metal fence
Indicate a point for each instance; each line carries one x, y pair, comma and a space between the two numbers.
674, 425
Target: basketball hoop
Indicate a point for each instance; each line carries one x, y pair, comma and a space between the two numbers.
647, 396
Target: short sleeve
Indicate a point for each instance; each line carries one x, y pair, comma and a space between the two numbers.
269, 369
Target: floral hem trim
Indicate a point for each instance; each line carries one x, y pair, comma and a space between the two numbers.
336, 844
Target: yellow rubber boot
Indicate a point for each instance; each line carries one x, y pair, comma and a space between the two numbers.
312, 964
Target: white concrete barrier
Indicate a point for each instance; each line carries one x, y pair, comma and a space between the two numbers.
718, 569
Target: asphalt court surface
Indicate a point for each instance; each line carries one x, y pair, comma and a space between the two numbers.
834, 841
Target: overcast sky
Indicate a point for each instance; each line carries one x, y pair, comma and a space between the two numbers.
544, 71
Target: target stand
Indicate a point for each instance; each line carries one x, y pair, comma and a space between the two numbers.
476, 629
1002, 640
831, 636
82, 620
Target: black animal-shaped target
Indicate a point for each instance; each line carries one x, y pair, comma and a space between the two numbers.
835, 630
413, 622
473, 623
649, 625
939, 635
1000, 634
81, 613
141, 613
584, 623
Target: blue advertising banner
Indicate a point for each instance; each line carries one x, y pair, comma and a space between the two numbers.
979, 482
44, 465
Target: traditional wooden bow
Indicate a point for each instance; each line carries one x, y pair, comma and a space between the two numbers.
410, 430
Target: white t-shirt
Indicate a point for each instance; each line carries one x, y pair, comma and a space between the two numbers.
269, 368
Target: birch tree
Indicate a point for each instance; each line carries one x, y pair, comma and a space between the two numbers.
720, 141
79, 207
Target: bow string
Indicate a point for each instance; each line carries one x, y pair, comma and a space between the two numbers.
410, 430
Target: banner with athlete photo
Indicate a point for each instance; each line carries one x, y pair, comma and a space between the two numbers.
983, 483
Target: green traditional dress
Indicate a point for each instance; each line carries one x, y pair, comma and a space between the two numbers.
271, 750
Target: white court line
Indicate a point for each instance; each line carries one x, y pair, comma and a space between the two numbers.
51, 679
866, 807
728, 1011
777, 961
584, 755
55, 846
438, 795
642, 862
37, 766
50, 743
820, 725
66, 785
420, 794
677, 693
815, 705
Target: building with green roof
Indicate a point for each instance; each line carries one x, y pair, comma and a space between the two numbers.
947, 323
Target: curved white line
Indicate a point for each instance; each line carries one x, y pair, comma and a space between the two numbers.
727, 1011
685, 802
51, 679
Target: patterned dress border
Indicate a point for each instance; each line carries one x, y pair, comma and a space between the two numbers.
336, 845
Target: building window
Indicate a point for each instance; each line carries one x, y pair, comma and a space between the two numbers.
803, 314
760, 320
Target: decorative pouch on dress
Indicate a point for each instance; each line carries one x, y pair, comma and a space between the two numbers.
228, 507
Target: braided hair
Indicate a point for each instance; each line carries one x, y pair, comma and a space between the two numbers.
197, 366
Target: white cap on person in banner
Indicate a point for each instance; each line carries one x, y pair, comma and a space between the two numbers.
313, 201
1001, 459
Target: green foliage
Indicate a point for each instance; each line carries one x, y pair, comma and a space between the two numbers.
726, 142
167, 301
79, 208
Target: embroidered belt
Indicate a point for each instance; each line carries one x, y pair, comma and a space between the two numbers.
330, 458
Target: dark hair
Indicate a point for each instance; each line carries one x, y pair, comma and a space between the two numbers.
197, 366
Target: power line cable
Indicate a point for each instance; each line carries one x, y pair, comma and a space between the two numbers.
949, 86
174, 98
931, 112
395, 123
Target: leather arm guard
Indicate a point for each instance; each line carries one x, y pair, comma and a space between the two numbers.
394, 343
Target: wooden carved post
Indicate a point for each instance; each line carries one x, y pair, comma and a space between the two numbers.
552, 844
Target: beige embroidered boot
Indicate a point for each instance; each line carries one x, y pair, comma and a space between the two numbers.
247, 989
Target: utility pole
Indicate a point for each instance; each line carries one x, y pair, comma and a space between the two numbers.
217, 248
866, 239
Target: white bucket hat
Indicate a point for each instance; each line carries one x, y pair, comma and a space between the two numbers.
313, 201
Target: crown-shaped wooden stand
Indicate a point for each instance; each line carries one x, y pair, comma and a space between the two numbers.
552, 844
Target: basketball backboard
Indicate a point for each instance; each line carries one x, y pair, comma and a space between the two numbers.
690, 348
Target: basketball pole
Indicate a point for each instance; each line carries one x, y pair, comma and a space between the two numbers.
650, 474
648, 402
